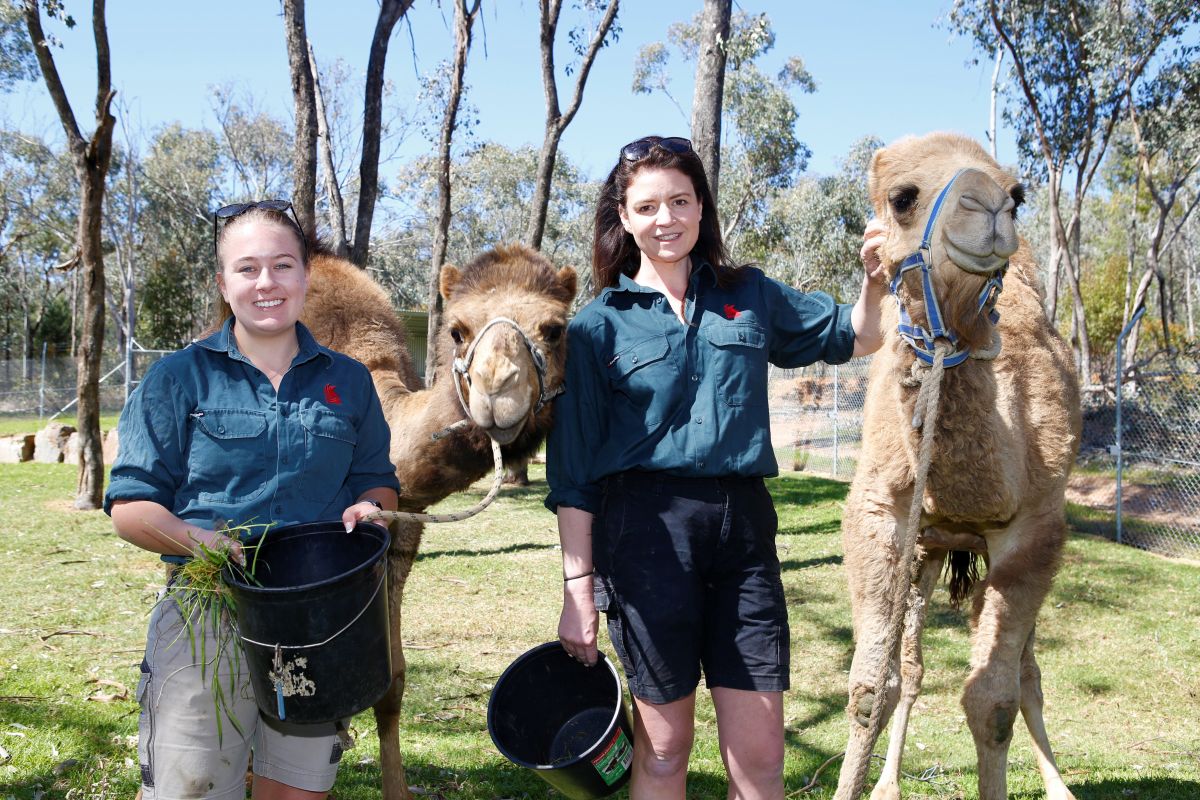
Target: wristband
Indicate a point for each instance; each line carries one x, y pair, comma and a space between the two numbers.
580, 575
375, 503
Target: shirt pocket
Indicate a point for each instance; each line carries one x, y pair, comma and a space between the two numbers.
229, 462
739, 362
329, 440
641, 376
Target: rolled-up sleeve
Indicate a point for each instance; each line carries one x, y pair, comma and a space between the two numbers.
807, 327
152, 431
371, 467
580, 424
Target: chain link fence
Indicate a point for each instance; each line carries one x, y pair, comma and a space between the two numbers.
45, 387
1149, 498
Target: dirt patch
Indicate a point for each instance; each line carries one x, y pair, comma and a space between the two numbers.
1164, 505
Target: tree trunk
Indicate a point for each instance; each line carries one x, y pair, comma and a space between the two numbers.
556, 122
464, 19
390, 11
710, 88
995, 92
91, 158
304, 152
337, 212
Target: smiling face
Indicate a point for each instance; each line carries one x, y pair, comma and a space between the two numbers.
263, 277
662, 213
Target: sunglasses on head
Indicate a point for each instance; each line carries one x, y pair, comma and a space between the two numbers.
234, 210
640, 148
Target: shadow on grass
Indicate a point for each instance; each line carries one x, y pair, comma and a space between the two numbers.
425, 555
84, 739
1133, 789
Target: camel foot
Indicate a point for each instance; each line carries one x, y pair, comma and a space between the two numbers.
886, 791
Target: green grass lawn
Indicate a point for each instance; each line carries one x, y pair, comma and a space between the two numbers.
1119, 647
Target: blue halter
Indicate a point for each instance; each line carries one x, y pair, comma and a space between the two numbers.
920, 339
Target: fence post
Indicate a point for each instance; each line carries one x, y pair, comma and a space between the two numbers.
42, 388
1120, 401
835, 420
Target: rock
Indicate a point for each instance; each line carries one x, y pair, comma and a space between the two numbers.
15, 449
50, 443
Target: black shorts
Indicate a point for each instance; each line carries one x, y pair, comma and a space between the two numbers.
688, 577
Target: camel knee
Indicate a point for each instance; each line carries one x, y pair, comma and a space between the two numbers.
863, 699
993, 724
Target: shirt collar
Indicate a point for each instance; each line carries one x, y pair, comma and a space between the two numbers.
223, 341
625, 283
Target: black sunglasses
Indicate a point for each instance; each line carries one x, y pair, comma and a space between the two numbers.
233, 210
640, 148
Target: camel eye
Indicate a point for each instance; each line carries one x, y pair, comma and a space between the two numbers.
1017, 193
903, 200
552, 333
456, 335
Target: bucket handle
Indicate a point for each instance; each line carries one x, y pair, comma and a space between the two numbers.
344, 628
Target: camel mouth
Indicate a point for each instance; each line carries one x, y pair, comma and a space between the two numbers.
503, 436
970, 262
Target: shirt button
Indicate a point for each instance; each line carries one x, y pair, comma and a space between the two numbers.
699, 420
635, 359
741, 337
700, 464
220, 429
695, 378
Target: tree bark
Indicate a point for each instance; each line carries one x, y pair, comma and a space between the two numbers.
91, 159
464, 19
337, 212
304, 152
710, 88
390, 11
556, 121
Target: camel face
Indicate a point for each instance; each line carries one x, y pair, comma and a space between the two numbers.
974, 231
507, 337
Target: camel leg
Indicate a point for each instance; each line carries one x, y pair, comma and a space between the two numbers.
1031, 710
405, 538
869, 532
1023, 561
912, 672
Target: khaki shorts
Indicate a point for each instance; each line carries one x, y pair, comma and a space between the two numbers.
187, 749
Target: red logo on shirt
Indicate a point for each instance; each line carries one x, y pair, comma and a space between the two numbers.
731, 312
331, 395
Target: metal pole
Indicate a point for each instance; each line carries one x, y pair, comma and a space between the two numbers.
1120, 400
835, 420
42, 388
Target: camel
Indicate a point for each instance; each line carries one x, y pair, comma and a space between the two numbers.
1005, 437
500, 381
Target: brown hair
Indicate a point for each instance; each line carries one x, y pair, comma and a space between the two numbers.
614, 250
268, 216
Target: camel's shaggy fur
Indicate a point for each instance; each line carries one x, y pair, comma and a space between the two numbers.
347, 311
1006, 437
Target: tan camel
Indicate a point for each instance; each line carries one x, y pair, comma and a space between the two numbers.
1005, 438
347, 311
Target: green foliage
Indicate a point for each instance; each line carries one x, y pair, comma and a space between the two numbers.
17, 60
1103, 287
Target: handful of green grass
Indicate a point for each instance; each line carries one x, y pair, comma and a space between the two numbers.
204, 600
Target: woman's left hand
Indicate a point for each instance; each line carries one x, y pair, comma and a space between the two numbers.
372, 502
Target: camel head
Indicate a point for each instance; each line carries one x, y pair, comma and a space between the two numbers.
504, 332
969, 241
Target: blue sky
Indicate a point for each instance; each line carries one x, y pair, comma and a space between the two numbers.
882, 68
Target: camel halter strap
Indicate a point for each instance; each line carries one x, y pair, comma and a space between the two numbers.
920, 339
462, 366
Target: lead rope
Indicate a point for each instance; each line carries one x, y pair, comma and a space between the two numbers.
456, 516
924, 417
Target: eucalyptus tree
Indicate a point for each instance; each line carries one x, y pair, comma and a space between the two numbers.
586, 39
762, 153
17, 61
708, 94
1069, 64
91, 157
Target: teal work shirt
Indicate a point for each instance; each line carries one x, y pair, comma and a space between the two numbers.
645, 391
206, 436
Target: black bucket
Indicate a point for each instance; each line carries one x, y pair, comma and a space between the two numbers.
565, 721
314, 620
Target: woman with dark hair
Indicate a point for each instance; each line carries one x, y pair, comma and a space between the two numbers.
657, 458
254, 423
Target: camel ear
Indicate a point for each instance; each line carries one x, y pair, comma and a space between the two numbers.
449, 278
567, 284
879, 162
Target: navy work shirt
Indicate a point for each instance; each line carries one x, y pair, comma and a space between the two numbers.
206, 436
645, 391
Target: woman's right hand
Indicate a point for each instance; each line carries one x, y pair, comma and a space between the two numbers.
579, 621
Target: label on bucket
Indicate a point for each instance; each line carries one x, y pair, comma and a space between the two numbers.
614, 759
